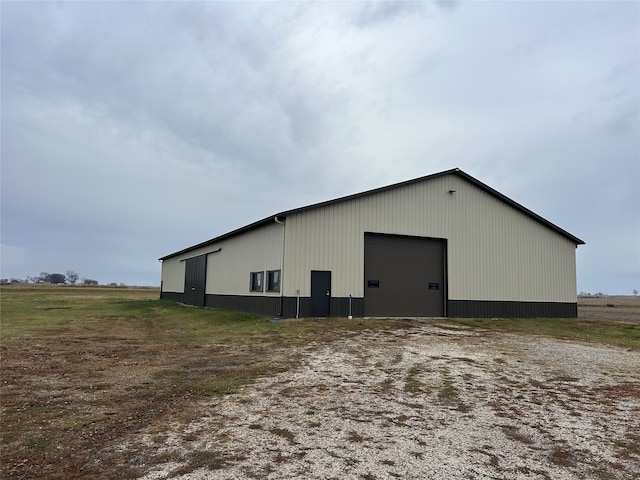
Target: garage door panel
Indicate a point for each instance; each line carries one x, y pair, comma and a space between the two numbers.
404, 276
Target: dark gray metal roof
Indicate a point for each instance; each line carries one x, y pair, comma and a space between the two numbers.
453, 171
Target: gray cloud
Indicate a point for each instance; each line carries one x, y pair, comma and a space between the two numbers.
133, 129
447, 6
625, 118
372, 13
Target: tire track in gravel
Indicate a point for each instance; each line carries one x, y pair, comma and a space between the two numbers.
427, 403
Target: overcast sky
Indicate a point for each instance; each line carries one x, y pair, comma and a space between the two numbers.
131, 130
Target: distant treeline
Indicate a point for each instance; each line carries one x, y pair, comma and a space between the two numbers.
600, 294
69, 278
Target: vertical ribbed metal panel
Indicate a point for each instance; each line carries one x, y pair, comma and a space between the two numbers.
495, 252
173, 275
230, 262
258, 250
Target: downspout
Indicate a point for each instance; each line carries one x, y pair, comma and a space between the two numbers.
161, 282
281, 268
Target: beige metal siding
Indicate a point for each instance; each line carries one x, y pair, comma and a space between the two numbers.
258, 250
173, 275
230, 262
494, 251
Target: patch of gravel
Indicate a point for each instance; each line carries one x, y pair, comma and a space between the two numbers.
426, 403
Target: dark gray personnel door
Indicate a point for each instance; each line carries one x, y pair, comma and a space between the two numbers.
320, 293
195, 275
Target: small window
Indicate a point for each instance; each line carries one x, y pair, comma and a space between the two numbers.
256, 281
273, 281
373, 283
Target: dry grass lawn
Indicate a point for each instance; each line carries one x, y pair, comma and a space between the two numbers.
616, 308
112, 383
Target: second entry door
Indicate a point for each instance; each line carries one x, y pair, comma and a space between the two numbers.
194, 280
320, 293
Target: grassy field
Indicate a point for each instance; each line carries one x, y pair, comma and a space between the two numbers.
82, 368
606, 332
613, 320
610, 308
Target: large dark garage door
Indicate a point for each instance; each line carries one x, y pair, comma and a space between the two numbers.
404, 276
194, 280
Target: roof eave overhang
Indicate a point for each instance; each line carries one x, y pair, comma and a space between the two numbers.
522, 208
233, 233
453, 171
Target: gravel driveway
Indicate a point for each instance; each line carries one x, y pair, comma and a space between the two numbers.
434, 402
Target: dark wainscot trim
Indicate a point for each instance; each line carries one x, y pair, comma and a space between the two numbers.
339, 307
286, 306
280, 306
172, 296
269, 306
502, 309
261, 305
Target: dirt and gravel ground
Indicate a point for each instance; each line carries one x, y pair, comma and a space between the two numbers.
120, 386
431, 402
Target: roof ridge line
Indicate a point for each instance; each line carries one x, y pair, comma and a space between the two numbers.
313, 206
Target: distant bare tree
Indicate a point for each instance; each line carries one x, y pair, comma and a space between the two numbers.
72, 276
635, 292
56, 278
